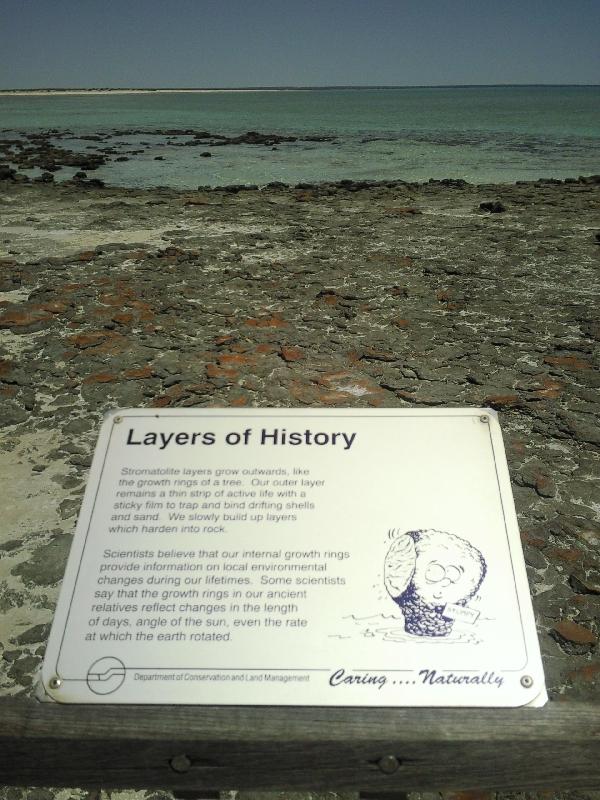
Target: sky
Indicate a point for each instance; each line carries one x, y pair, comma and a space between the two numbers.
245, 43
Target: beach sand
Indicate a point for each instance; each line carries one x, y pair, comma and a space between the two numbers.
334, 296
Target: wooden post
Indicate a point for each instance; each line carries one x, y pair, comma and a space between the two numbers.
196, 748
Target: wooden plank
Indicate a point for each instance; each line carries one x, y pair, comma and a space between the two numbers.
186, 748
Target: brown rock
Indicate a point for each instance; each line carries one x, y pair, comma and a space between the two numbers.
305, 197
545, 486
587, 674
292, 353
236, 360
569, 362
101, 377
214, 371
238, 401
196, 200
54, 307
573, 632
138, 373
500, 401
227, 339
265, 348
85, 340
23, 318
274, 321
550, 390
398, 211
123, 317
161, 402
569, 555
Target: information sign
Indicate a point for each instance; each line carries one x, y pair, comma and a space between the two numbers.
356, 557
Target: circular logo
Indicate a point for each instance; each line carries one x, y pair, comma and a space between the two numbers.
106, 675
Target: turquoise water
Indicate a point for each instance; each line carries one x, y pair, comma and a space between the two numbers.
480, 134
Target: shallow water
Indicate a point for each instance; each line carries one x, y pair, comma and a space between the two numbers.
479, 134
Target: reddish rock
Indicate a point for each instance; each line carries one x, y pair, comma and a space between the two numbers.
265, 349
532, 540
214, 371
587, 674
573, 632
238, 401
351, 385
328, 296
5, 366
227, 339
477, 794
54, 307
304, 393
274, 321
239, 347
138, 255
118, 300
23, 318
292, 353
145, 310
168, 398
399, 322
161, 402
569, 362
101, 377
85, 340
122, 318
500, 401
138, 373
236, 360
332, 398
305, 197
545, 486
568, 555
196, 200
100, 342
550, 390
398, 211
86, 255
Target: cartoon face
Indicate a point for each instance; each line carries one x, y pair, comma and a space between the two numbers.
440, 577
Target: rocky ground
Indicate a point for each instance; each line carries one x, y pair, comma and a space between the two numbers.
333, 295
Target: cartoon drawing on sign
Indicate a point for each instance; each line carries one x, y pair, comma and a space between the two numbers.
431, 575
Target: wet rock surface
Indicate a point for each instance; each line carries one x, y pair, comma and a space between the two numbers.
51, 150
356, 294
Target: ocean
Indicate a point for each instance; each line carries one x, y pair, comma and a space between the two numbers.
479, 134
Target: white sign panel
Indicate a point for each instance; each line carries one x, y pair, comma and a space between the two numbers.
297, 557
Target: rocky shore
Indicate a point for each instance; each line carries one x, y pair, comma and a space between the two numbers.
353, 294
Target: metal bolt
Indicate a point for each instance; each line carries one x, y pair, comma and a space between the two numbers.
484, 418
55, 683
388, 764
117, 420
527, 681
180, 763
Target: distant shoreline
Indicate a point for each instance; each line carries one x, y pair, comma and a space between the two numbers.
40, 92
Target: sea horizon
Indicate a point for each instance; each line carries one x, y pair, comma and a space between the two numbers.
287, 87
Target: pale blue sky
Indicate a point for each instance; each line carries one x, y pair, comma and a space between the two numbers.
188, 43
